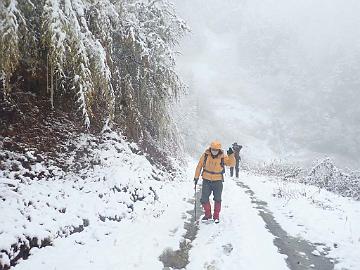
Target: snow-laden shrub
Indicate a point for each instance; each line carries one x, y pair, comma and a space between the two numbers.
279, 169
326, 175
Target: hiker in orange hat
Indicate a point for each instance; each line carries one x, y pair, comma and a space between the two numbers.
211, 166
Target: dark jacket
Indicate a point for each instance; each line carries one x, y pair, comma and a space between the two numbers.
237, 149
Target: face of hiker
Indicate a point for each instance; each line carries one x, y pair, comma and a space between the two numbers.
214, 152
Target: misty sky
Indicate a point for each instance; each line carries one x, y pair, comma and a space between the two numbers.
280, 76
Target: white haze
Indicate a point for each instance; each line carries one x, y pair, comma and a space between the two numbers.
279, 76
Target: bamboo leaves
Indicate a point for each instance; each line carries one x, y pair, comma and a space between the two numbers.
113, 57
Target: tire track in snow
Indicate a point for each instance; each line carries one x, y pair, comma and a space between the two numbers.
299, 252
179, 259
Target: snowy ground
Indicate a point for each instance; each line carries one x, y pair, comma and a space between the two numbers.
243, 240
322, 217
46, 206
129, 244
238, 241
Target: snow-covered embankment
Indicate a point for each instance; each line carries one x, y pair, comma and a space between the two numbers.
103, 180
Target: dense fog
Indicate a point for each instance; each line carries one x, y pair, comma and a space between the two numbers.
281, 77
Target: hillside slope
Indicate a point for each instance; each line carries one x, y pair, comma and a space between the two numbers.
104, 178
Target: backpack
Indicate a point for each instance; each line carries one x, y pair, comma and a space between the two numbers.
222, 164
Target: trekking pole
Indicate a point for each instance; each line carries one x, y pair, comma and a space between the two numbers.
195, 201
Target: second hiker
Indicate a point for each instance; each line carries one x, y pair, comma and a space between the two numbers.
211, 166
236, 149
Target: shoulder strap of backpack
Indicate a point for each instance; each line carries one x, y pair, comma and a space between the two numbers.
205, 159
222, 164
204, 163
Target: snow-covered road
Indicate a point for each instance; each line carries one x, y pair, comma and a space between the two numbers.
253, 234
240, 241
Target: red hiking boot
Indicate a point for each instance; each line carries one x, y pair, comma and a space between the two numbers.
207, 210
217, 209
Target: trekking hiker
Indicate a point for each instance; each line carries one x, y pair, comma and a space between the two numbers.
211, 166
236, 149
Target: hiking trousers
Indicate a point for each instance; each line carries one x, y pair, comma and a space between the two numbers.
237, 165
209, 187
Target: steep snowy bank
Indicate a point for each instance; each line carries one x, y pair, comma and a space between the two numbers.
103, 179
134, 243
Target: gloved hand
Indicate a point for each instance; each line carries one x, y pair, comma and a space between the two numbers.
196, 181
230, 151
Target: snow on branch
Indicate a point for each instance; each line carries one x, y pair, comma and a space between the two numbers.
94, 50
9, 40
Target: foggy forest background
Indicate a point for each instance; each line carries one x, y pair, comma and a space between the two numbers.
280, 77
